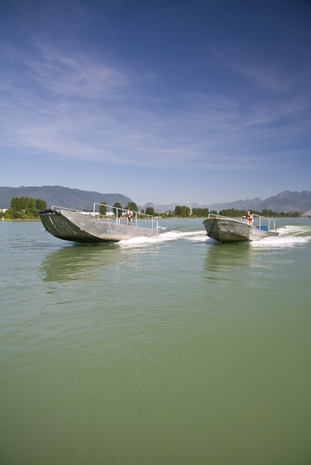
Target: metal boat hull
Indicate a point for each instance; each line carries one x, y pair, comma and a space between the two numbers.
230, 230
77, 227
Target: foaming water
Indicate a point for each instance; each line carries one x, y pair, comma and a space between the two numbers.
289, 236
294, 230
281, 241
164, 237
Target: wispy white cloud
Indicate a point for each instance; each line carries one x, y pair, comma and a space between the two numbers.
76, 75
245, 62
76, 107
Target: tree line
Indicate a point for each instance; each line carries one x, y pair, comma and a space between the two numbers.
234, 213
185, 212
24, 208
28, 208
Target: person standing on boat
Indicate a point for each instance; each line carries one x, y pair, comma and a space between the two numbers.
129, 215
248, 217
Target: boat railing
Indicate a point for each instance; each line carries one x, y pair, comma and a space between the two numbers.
120, 213
264, 223
55, 207
115, 214
258, 222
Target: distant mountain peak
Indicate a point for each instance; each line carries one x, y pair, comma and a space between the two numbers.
286, 201
61, 196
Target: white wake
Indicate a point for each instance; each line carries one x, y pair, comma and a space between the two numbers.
197, 236
289, 236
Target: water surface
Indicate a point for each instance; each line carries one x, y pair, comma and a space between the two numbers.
171, 350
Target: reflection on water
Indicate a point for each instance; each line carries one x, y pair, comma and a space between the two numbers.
75, 262
81, 261
224, 261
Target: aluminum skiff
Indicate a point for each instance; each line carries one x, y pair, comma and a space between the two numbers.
224, 229
89, 227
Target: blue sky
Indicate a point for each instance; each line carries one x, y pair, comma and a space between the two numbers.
162, 101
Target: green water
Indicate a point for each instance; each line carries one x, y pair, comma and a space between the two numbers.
172, 351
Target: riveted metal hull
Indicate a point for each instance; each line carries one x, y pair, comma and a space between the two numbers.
77, 227
230, 230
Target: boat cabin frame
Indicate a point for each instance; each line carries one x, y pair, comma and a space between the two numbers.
139, 219
259, 222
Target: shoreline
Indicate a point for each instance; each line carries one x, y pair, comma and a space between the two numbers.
160, 218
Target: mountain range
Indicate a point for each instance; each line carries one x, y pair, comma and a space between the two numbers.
286, 201
61, 196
